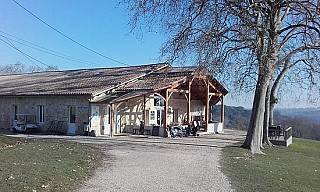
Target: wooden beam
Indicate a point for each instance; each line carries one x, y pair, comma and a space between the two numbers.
165, 118
186, 96
190, 82
178, 83
212, 85
210, 112
215, 94
189, 103
112, 124
205, 81
207, 106
201, 76
222, 111
178, 90
144, 109
170, 94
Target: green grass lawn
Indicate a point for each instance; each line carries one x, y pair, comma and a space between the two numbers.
293, 168
45, 165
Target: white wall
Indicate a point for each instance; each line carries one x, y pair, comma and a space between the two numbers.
130, 113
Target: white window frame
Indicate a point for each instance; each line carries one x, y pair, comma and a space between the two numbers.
158, 101
152, 115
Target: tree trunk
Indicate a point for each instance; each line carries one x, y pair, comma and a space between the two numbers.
266, 122
274, 90
271, 109
254, 135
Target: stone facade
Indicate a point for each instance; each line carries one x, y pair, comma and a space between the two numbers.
55, 108
128, 115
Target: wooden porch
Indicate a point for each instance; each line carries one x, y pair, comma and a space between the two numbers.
280, 136
190, 87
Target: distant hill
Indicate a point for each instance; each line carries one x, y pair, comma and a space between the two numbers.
305, 122
307, 113
234, 117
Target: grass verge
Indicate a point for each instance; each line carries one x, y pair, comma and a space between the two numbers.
293, 168
45, 165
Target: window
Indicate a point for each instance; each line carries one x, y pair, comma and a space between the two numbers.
72, 114
158, 101
15, 112
40, 113
152, 115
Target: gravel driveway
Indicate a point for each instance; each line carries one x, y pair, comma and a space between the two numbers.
135, 163
161, 164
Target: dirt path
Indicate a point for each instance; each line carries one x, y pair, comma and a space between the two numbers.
154, 164
137, 163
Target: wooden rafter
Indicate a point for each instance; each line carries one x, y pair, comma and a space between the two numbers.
210, 96
170, 94
186, 95
205, 82
216, 94
178, 83
178, 90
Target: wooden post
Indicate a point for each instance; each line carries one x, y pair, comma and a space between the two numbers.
144, 110
112, 125
207, 107
165, 118
189, 103
222, 111
210, 113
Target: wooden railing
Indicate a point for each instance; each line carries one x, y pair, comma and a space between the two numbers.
279, 136
287, 133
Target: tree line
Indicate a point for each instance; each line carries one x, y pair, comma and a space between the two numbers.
238, 118
20, 68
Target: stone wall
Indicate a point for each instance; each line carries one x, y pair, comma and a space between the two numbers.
56, 108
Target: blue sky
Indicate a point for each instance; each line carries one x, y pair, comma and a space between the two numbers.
101, 25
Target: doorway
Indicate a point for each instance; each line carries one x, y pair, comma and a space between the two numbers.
159, 117
106, 119
72, 120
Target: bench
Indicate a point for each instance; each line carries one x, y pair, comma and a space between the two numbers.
275, 131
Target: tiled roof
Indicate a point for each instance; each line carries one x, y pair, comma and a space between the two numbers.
105, 84
161, 79
83, 81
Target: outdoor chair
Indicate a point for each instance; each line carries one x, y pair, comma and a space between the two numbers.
272, 132
280, 131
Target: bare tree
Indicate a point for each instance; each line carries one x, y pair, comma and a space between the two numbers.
19, 68
299, 50
227, 34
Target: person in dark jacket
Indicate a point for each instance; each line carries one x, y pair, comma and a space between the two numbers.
141, 130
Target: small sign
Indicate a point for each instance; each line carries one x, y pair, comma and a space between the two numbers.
83, 107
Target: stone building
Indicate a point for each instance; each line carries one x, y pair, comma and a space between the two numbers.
111, 101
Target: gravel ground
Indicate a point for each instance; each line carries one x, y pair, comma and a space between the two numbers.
135, 163
161, 164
